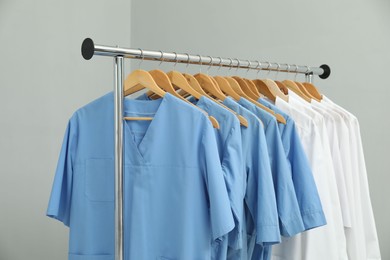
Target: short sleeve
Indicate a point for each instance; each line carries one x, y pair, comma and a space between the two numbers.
288, 208
221, 218
59, 203
260, 193
232, 165
305, 186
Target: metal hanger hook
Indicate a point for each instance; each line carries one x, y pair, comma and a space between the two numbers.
268, 67
308, 73
200, 62
296, 72
258, 65
161, 58
308, 70
220, 63
210, 64
238, 64
174, 65
277, 70
142, 58
188, 61
249, 66
288, 69
230, 64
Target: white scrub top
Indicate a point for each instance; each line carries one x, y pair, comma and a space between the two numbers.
323, 242
366, 223
331, 126
319, 120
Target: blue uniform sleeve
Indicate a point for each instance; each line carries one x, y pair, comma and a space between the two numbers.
59, 203
221, 218
232, 165
305, 187
260, 194
288, 208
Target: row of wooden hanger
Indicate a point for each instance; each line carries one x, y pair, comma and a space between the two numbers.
216, 88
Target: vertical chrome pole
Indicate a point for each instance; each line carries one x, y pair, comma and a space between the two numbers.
118, 92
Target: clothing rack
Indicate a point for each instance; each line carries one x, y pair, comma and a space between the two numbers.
89, 49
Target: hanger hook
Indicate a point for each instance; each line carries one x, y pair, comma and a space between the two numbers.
238, 64
230, 64
268, 67
296, 72
308, 70
277, 70
188, 61
220, 63
288, 69
249, 66
210, 64
200, 62
258, 65
142, 58
161, 58
174, 65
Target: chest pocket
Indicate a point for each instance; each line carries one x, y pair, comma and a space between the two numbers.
99, 179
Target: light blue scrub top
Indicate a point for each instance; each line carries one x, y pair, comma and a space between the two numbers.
260, 195
305, 187
288, 207
175, 199
302, 176
228, 138
229, 143
290, 221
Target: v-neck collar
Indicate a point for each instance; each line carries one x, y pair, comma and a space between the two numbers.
154, 108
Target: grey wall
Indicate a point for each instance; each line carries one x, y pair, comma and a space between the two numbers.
43, 80
348, 35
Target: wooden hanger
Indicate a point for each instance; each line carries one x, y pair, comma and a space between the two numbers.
236, 87
282, 87
208, 85
243, 120
195, 85
304, 90
174, 80
179, 81
216, 84
313, 90
263, 89
225, 87
189, 88
143, 79
270, 89
138, 80
168, 81
162, 80
274, 87
252, 87
292, 86
245, 88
